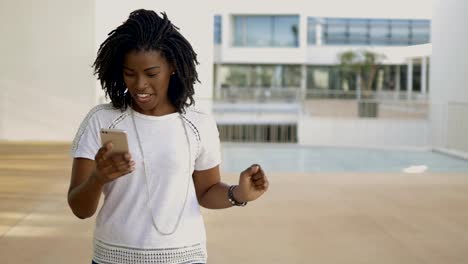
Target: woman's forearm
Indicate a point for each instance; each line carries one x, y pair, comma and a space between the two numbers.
84, 198
217, 197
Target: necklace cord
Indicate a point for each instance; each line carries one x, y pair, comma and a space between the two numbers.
149, 203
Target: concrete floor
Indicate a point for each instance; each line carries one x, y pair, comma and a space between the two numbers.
304, 218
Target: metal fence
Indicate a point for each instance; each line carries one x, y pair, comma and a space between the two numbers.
244, 94
275, 133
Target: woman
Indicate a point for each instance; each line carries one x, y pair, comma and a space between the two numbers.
151, 212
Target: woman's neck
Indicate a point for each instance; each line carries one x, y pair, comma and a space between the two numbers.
157, 111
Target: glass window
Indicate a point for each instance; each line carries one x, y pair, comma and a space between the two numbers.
291, 77
352, 31
217, 29
239, 29
336, 31
403, 77
417, 76
420, 31
400, 32
237, 76
318, 77
265, 76
286, 31
266, 31
258, 31
311, 33
379, 32
358, 31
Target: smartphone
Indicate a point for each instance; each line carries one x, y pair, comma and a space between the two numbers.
118, 138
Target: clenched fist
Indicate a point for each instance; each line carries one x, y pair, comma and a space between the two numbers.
253, 183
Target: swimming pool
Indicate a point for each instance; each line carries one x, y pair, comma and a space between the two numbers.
293, 158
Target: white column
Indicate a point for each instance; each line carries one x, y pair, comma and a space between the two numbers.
304, 21
318, 32
303, 82
358, 87
397, 81
409, 79
303, 31
380, 80
227, 35
217, 83
424, 76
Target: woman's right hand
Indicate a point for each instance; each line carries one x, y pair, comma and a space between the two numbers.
111, 167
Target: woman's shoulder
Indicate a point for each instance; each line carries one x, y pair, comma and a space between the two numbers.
102, 115
202, 121
199, 116
104, 110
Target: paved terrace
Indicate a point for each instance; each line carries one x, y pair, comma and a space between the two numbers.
305, 218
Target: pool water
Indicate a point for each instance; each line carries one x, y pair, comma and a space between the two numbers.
293, 158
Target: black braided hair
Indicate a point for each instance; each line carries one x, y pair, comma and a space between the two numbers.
144, 30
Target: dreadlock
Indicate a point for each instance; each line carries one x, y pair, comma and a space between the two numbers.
144, 30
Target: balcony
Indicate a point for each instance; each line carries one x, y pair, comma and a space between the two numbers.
293, 102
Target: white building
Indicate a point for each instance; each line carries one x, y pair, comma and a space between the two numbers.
276, 72
47, 86
288, 50
449, 77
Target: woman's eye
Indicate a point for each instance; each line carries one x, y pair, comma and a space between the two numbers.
153, 75
128, 74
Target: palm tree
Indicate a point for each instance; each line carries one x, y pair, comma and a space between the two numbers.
364, 65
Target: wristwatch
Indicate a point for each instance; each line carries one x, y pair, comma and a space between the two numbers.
231, 198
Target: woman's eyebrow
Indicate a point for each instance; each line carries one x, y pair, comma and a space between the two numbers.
150, 68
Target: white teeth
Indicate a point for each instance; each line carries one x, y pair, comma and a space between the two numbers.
143, 95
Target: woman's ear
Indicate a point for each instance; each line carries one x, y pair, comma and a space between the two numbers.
172, 69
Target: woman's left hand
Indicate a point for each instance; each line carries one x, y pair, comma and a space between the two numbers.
253, 183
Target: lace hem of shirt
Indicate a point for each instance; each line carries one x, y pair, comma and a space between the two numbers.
105, 253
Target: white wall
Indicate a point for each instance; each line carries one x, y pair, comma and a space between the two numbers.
314, 55
449, 75
404, 134
46, 82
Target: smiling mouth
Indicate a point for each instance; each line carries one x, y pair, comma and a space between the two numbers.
146, 95
143, 97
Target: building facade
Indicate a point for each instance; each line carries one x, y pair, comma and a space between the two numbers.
272, 68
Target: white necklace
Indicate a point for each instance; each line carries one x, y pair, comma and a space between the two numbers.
149, 204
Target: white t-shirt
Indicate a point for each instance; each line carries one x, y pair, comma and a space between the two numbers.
124, 227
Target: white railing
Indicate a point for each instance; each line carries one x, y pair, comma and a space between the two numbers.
261, 95
365, 95
326, 103
290, 94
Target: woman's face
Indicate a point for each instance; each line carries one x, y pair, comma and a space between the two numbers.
146, 75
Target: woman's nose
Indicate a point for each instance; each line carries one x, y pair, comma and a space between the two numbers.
142, 83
